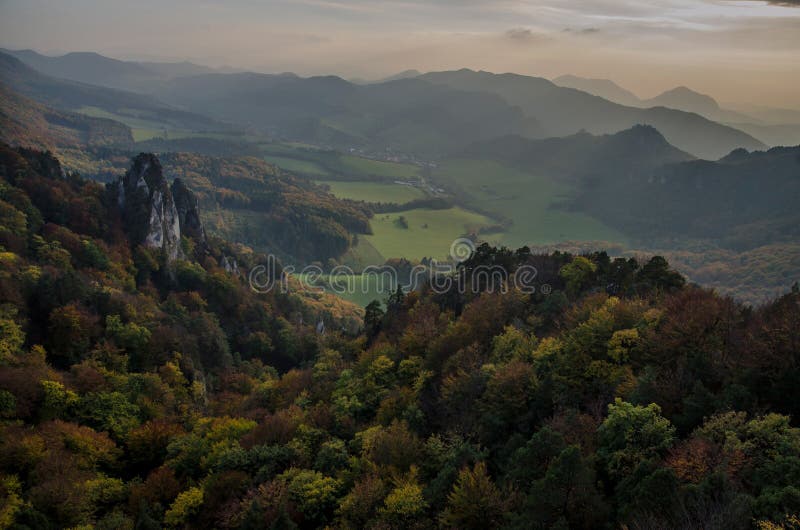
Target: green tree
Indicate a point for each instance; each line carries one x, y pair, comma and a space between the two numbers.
566, 494
630, 435
373, 316
578, 274
475, 502
186, 505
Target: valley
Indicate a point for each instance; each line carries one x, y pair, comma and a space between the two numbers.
340, 264
478, 165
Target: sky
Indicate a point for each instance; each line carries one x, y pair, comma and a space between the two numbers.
736, 51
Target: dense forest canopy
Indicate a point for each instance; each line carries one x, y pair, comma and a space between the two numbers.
139, 391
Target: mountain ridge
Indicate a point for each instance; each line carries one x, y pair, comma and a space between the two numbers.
562, 111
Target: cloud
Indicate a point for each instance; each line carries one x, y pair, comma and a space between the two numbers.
584, 31
523, 35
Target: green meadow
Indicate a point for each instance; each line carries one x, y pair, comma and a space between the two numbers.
361, 289
429, 233
144, 129
366, 167
316, 162
529, 201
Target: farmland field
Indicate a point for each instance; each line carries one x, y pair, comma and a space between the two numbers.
315, 162
368, 167
527, 200
429, 233
361, 289
144, 129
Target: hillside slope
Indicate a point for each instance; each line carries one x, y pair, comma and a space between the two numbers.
581, 156
28, 123
96, 69
744, 200
69, 95
407, 115
563, 111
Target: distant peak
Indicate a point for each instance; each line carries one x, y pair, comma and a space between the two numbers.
642, 133
737, 155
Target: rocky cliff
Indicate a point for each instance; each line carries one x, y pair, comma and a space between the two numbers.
188, 212
148, 208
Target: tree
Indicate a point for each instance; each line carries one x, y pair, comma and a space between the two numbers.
578, 274
566, 494
373, 316
314, 494
186, 505
405, 502
657, 274
630, 435
475, 502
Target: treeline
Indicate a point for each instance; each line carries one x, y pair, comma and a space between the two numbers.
138, 394
208, 146
431, 203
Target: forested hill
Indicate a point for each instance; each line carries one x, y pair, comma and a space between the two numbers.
67, 95
144, 385
744, 200
31, 124
626, 155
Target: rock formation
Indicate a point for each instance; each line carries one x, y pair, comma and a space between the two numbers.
148, 209
188, 212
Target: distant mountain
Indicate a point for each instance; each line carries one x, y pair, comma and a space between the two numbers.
434, 114
639, 184
786, 135
406, 74
768, 115
683, 98
605, 88
88, 67
744, 200
407, 115
96, 69
70, 95
431, 115
774, 127
561, 111
24, 122
583, 157
180, 69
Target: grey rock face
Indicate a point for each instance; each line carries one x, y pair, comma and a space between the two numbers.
230, 265
148, 209
188, 212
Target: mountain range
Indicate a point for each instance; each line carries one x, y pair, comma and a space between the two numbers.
96, 69
429, 115
561, 111
775, 127
68, 95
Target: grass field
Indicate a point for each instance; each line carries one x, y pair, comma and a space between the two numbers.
358, 288
429, 233
527, 200
144, 129
373, 191
315, 162
367, 167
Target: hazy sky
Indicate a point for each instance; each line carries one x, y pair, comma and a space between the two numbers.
733, 50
